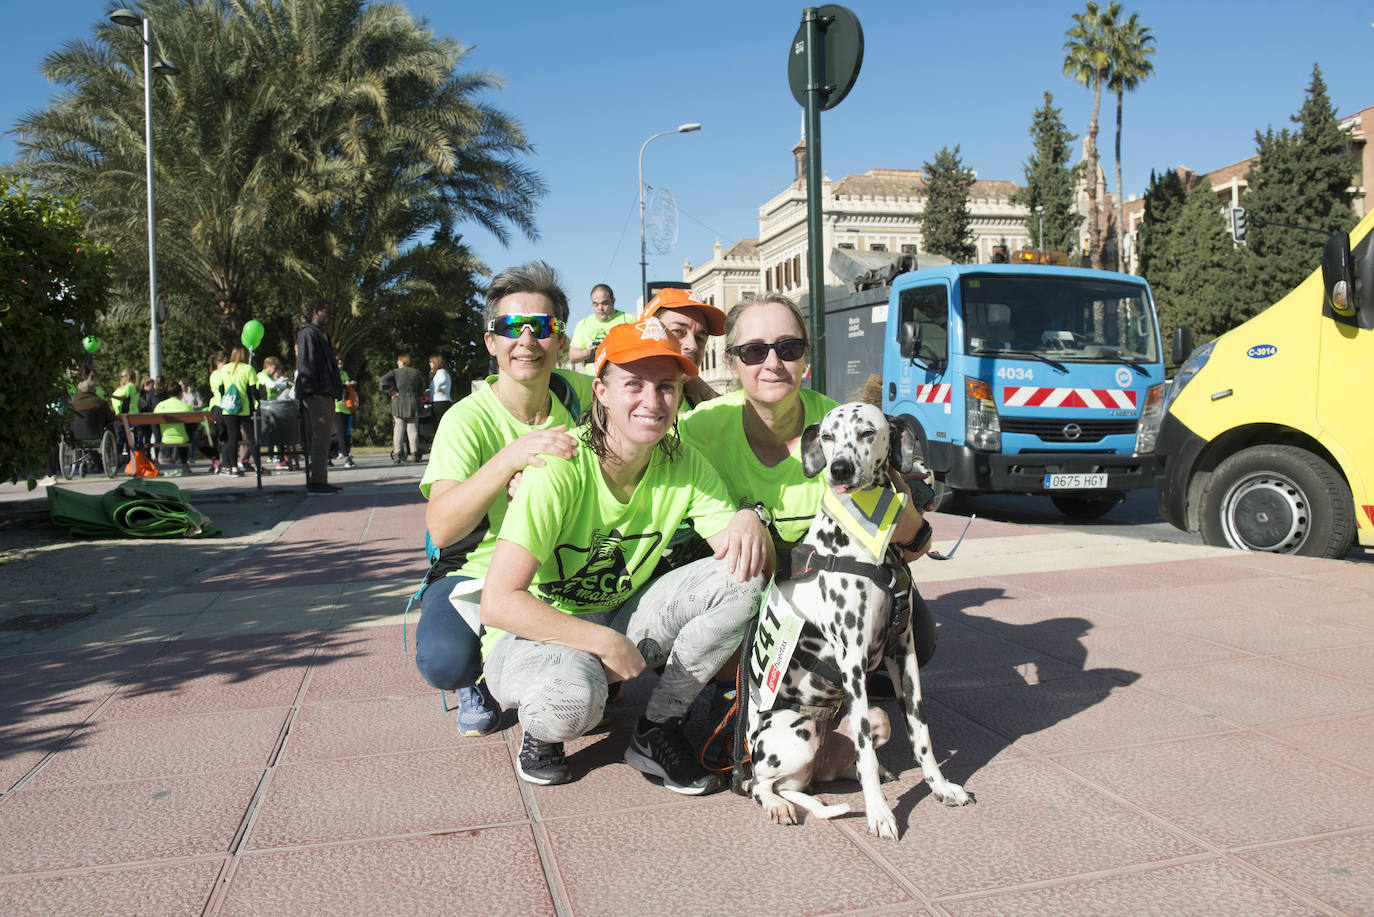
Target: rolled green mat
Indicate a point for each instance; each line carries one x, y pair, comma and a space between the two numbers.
137, 508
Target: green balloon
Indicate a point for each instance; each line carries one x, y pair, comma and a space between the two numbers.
91, 343
252, 334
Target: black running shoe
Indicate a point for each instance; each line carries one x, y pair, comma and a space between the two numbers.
542, 763
662, 750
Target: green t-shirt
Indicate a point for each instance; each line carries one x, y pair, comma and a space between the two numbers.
125, 399
598, 552
470, 433
591, 331
237, 374
716, 427
173, 434
341, 408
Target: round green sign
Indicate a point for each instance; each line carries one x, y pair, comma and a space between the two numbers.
841, 50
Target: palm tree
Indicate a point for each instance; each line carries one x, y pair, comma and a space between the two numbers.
308, 147
1132, 46
1088, 57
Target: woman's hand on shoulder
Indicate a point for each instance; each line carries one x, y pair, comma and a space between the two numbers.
745, 545
528, 450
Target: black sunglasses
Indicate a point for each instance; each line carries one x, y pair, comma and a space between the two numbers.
755, 352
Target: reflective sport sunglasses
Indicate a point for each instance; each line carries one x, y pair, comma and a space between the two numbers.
512, 326
756, 352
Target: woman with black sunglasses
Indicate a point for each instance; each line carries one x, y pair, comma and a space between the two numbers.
481, 448
753, 434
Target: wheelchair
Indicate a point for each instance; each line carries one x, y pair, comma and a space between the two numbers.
88, 445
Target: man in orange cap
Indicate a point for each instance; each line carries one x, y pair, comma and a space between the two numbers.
692, 321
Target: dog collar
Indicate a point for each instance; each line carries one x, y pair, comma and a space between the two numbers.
869, 516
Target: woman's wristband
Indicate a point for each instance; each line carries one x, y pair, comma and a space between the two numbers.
921, 537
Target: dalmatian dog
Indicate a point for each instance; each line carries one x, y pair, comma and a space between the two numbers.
848, 626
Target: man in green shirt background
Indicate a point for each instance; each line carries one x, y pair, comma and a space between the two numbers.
592, 329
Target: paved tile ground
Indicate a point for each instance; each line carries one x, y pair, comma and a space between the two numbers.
1149, 728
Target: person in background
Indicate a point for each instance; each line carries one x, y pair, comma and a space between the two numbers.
317, 386
592, 329
87, 399
343, 415
237, 374
176, 437
568, 602
692, 321
511, 422
440, 387
124, 400
149, 390
407, 387
273, 382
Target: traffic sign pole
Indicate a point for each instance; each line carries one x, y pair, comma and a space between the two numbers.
815, 254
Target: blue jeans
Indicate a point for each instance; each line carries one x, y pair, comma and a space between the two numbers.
447, 651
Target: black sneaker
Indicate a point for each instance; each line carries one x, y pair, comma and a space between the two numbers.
542, 763
662, 750
318, 490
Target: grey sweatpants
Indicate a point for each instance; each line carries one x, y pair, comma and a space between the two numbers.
696, 615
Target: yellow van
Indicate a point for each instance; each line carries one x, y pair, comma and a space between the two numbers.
1267, 443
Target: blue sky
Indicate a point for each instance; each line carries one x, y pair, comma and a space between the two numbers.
592, 81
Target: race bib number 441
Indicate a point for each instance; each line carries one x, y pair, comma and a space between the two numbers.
774, 642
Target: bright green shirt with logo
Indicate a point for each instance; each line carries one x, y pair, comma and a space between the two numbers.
597, 552
474, 430
716, 427
592, 331
173, 434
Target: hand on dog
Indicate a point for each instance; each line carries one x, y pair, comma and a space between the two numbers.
745, 545
621, 658
906, 530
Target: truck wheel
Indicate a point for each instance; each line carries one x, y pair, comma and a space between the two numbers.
944, 497
1281, 499
1094, 507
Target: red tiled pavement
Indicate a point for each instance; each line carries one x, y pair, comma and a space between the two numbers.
1187, 736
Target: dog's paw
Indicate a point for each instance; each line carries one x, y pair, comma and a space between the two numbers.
885, 775
883, 825
951, 794
781, 813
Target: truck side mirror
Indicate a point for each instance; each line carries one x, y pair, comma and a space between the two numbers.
1338, 277
1183, 344
910, 340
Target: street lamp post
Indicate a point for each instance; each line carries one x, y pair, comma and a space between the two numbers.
134, 21
1040, 233
643, 257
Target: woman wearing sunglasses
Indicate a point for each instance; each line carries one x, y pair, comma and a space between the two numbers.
482, 446
569, 603
753, 435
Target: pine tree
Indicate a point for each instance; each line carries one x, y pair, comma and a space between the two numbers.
1163, 199
1050, 181
1302, 177
1195, 266
945, 218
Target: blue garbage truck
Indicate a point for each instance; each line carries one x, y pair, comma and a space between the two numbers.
1018, 378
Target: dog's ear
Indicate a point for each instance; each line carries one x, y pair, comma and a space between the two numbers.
812, 456
903, 446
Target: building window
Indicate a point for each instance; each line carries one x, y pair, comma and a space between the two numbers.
877, 247
846, 245
787, 274
796, 269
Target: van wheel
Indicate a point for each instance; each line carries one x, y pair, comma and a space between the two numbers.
1280, 499
1094, 507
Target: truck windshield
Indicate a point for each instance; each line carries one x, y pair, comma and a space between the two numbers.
1069, 319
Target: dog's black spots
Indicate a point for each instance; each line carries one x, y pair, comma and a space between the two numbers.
774, 761
850, 621
804, 735
858, 673
862, 743
939, 797
920, 711
839, 618
865, 728
797, 723
924, 751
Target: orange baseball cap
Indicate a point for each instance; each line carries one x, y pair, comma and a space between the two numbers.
647, 338
673, 298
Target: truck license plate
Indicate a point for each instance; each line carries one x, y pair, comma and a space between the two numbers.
1075, 481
